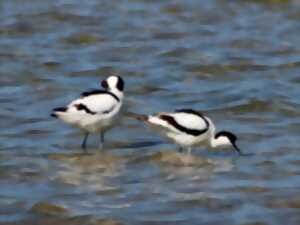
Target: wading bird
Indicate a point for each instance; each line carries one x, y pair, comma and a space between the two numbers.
187, 128
95, 111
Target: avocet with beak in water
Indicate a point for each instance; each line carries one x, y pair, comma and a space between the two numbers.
95, 111
187, 128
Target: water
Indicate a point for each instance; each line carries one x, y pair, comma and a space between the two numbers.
237, 61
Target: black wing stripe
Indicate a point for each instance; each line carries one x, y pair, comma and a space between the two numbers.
194, 112
169, 119
83, 107
190, 111
109, 110
99, 92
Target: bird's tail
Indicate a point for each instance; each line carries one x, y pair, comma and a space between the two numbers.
140, 117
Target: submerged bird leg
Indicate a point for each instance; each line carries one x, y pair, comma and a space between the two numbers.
83, 145
189, 150
101, 143
180, 149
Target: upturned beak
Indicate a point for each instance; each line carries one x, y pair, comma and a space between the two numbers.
236, 148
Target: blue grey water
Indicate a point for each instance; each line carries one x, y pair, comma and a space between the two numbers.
236, 61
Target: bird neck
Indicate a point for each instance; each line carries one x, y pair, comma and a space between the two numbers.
118, 93
213, 142
216, 142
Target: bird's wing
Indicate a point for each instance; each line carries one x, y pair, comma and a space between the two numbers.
181, 122
92, 92
97, 103
163, 120
98, 92
190, 120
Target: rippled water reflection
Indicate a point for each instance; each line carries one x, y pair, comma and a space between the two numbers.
237, 61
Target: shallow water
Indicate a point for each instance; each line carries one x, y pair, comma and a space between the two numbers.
237, 61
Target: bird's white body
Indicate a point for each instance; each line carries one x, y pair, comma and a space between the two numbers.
105, 114
189, 121
188, 128
95, 111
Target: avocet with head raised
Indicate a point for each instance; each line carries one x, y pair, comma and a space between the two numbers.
95, 111
187, 128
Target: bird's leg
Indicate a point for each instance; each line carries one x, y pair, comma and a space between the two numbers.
83, 145
180, 149
189, 149
189, 160
101, 144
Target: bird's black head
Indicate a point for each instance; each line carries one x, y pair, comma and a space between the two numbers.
120, 83
113, 82
230, 137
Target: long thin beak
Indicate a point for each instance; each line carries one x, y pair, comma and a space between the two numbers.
237, 149
240, 152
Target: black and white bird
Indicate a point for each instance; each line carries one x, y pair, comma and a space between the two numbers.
95, 111
187, 128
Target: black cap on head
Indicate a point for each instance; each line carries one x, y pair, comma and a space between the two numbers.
120, 84
113, 82
227, 134
232, 137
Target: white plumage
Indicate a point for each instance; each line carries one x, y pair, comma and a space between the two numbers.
189, 121
100, 110
187, 128
95, 111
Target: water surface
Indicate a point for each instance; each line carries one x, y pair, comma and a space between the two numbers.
237, 61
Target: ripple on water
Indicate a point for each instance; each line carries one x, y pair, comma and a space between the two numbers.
83, 38
208, 202
293, 203
174, 158
89, 171
72, 220
50, 209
